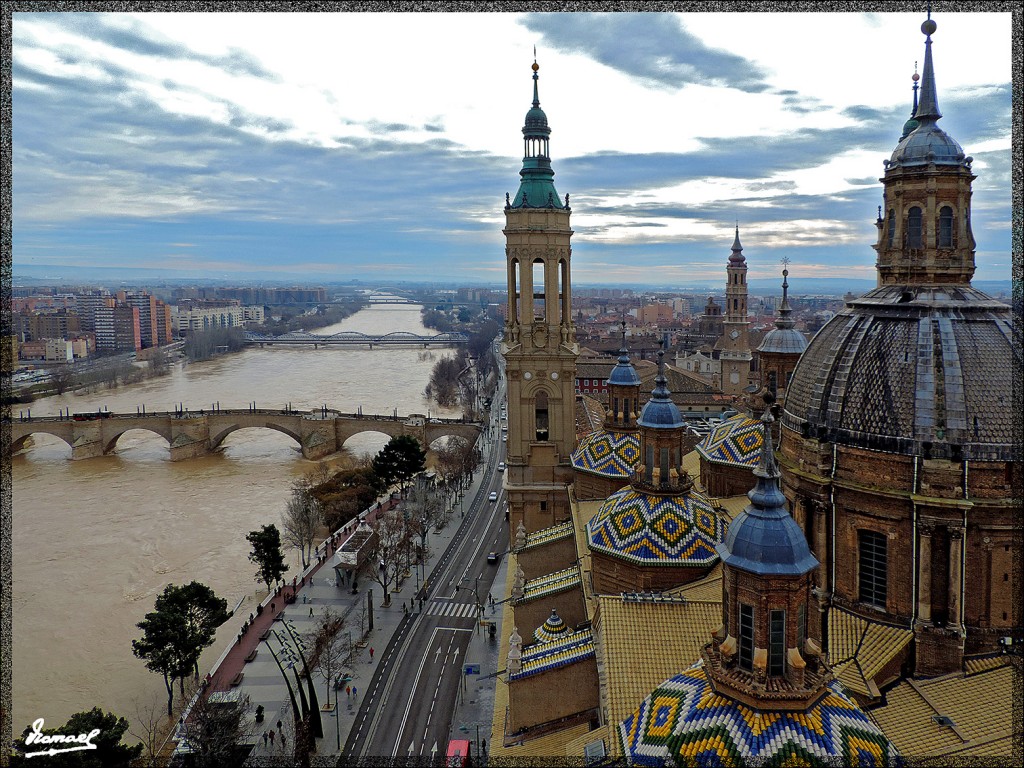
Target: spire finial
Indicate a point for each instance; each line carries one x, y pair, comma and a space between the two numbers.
783, 320
767, 467
928, 107
535, 67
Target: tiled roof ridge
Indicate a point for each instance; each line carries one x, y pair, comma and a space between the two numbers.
551, 533
927, 700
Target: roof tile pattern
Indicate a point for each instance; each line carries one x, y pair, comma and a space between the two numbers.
552, 629
611, 454
551, 583
650, 529
685, 720
736, 442
908, 368
544, 657
547, 535
859, 649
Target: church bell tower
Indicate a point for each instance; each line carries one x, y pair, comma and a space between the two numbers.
539, 345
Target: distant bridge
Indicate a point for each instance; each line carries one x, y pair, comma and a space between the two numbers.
390, 300
319, 432
354, 338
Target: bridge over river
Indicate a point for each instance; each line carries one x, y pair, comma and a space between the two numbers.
354, 338
319, 432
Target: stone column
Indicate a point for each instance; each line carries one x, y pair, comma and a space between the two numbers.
956, 542
924, 574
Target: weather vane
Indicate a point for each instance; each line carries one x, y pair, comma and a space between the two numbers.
784, 261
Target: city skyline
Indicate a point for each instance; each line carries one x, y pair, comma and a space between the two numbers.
303, 147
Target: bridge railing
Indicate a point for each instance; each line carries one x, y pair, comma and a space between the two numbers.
185, 413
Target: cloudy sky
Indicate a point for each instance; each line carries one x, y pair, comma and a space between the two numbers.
335, 146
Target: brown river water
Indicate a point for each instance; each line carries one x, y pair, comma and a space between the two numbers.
95, 541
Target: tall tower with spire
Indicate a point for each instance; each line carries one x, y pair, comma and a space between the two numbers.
539, 345
897, 442
733, 347
781, 347
925, 237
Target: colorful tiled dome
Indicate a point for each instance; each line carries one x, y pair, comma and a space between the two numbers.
610, 454
736, 441
652, 529
684, 721
552, 629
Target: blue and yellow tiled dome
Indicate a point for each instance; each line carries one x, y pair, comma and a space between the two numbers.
684, 721
610, 454
736, 442
551, 630
652, 529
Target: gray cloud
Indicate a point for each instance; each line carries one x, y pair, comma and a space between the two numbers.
660, 52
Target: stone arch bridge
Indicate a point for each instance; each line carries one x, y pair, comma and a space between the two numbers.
192, 433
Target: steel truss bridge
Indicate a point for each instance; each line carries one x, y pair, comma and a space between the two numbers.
356, 339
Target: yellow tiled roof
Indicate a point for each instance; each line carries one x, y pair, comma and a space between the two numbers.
545, 535
707, 589
980, 706
551, 583
642, 644
859, 649
549, 745
976, 665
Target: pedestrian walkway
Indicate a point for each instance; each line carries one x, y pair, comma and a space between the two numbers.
266, 651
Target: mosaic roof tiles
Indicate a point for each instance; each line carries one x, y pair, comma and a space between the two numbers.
611, 454
651, 529
544, 657
552, 629
686, 722
736, 441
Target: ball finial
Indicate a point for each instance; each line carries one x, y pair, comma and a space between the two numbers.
929, 27
535, 66
916, 77
769, 398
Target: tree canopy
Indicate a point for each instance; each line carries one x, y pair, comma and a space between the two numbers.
183, 623
399, 460
109, 749
266, 553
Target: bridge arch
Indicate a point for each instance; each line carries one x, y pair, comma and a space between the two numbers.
365, 442
19, 443
218, 438
110, 441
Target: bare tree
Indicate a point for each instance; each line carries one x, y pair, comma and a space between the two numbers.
329, 648
63, 378
301, 520
219, 729
389, 544
150, 724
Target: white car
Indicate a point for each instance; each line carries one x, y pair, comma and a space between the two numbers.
493, 496
501, 466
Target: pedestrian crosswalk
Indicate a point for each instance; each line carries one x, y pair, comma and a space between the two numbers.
448, 608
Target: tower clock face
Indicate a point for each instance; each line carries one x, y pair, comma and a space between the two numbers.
734, 335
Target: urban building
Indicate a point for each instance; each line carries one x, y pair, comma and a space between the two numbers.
840, 607
733, 347
897, 447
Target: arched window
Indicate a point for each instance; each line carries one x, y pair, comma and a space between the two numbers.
914, 239
891, 226
946, 227
541, 415
538, 289
872, 567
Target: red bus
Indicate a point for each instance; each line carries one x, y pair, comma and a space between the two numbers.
458, 753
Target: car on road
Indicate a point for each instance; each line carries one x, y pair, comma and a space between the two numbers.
504, 438
493, 558
493, 496
501, 466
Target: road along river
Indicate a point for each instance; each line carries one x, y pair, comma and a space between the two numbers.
95, 541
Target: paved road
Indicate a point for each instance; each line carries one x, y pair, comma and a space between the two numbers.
408, 708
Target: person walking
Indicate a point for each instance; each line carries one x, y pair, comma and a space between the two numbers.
283, 741
265, 738
371, 654
271, 738
348, 691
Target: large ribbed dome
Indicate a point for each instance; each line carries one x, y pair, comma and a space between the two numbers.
923, 370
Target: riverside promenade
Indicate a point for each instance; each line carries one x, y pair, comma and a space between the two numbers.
249, 667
